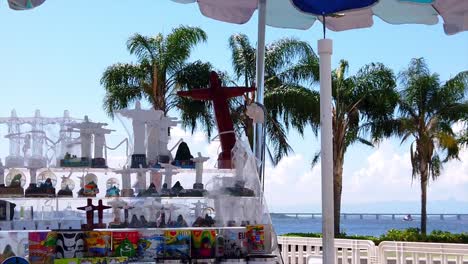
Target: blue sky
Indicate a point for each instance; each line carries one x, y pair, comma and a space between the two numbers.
52, 58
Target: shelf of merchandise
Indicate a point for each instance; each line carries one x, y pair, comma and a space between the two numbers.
130, 229
131, 170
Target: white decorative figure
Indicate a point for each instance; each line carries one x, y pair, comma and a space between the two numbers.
199, 208
87, 129
164, 124
171, 208
199, 170
153, 133
126, 177
127, 190
169, 171
153, 207
240, 158
85, 138
141, 181
156, 179
139, 119
99, 144
117, 206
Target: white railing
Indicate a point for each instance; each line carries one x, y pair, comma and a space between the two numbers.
429, 253
298, 250
301, 250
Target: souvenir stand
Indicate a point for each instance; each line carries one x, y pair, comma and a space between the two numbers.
60, 202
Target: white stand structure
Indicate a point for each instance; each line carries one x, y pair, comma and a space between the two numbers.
169, 171
14, 159
30, 145
38, 158
259, 148
33, 176
67, 182
325, 50
82, 181
2, 174
65, 138
199, 170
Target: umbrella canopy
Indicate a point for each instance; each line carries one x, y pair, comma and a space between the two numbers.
349, 14
24, 4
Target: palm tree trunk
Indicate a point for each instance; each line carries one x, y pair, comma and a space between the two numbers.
337, 190
339, 131
424, 175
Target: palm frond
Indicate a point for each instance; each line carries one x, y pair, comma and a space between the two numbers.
277, 138
305, 71
179, 44
435, 167
143, 47
123, 83
449, 143
375, 91
281, 53
316, 159
414, 161
365, 142
243, 58
296, 105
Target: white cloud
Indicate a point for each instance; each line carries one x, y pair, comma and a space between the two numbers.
384, 176
292, 185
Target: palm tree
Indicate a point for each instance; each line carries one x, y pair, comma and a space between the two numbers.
362, 106
427, 111
285, 99
157, 74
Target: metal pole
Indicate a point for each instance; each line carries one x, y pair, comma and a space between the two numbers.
325, 50
258, 133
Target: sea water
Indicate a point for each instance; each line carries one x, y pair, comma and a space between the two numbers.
369, 225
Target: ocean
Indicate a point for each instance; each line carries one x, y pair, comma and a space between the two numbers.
367, 226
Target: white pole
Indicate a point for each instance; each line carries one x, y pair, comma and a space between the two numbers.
325, 50
258, 140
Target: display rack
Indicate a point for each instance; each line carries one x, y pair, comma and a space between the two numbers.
156, 209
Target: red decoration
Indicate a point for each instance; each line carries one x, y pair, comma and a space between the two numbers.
89, 209
220, 95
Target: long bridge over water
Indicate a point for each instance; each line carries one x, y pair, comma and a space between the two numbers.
394, 216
